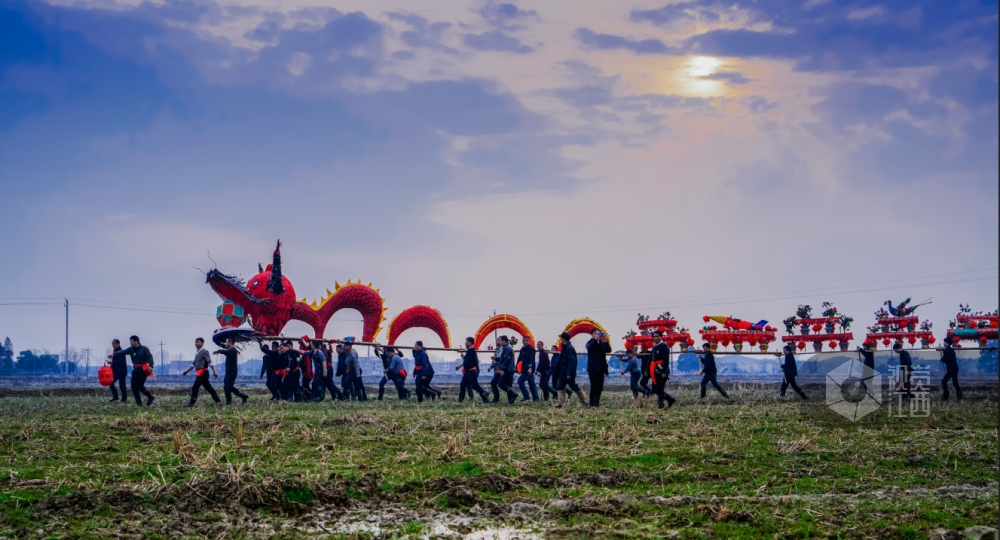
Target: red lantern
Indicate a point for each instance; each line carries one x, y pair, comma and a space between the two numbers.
105, 376
885, 342
671, 343
753, 342
869, 341
912, 340
706, 318
931, 340
982, 341
725, 343
993, 324
833, 344
801, 345
662, 329
817, 327
690, 343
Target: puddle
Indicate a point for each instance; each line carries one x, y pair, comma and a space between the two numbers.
403, 521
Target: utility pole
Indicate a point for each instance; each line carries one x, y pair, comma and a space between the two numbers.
88, 362
67, 335
161, 356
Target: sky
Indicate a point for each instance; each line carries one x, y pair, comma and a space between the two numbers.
551, 160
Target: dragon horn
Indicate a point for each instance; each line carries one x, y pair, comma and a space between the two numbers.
260, 269
275, 285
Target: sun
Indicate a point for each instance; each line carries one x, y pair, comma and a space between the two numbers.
701, 66
694, 73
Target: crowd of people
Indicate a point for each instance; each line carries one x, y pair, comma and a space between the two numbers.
306, 372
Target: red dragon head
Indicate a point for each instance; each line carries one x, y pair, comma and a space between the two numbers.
267, 299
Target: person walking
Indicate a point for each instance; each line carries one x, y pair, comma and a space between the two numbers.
905, 369
567, 373
554, 365
232, 371
396, 372
526, 371
544, 372
352, 373
290, 382
470, 373
202, 363
506, 368
597, 364
709, 371
950, 361
633, 367
142, 367
119, 372
659, 370
789, 369
385, 356
268, 365
428, 373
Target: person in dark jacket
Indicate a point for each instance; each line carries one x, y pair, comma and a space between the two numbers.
634, 369
505, 368
142, 366
544, 372
646, 374
867, 355
789, 370
290, 383
659, 370
567, 372
526, 369
386, 357
119, 372
905, 369
268, 365
232, 370
709, 371
470, 373
327, 375
950, 361
396, 373
280, 370
554, 366
597, 364
202, 363
423, 372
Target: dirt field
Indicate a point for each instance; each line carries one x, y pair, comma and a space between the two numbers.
73, 465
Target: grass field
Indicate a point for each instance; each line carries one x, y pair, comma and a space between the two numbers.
751, 467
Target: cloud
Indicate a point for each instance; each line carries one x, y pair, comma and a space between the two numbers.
591, 40
496, 40
731, 77
506, 16
424, 34
674, 13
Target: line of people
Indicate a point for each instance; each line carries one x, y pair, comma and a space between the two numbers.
307, 373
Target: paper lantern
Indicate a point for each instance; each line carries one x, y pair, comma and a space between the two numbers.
817, 327
833, 344
912, 340
105, 376
662, 329
671, 343
982, 341
885, 342
725, 343
869, 341
932, 340
753, 342
993, 324
801, 345
229, 314
690, 343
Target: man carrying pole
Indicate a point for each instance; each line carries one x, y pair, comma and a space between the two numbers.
202, 363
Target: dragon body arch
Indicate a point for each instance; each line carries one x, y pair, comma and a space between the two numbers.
419, 317
502, 321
